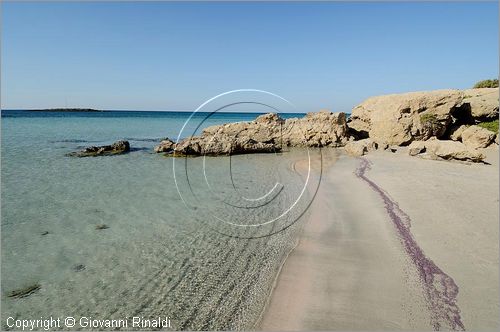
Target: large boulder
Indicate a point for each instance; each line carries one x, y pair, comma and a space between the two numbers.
401, 118
267, 133
456, 132
483, 103
118, 147
361, 147
476, 137
447, 150
416, 147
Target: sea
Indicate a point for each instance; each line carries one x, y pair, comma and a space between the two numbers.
199, 241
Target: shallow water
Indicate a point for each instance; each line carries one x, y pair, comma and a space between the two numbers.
196, 252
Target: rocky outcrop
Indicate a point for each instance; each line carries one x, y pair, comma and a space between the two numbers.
476, 137
483, 103
402, 118
316, 130
378, 122
118, 147
267, 133
166, 145
361, 147
222, 144
447, 150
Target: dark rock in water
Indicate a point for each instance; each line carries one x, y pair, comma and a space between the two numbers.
102, 226
79, 268
45, 233
25, 291
118, 147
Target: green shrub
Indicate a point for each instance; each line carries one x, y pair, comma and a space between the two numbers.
486, 84
490, 125
428, 118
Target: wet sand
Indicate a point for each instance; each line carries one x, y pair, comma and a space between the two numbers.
419, 253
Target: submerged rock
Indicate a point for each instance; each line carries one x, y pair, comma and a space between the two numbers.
79, 268
101, 227
25, 291
118, 147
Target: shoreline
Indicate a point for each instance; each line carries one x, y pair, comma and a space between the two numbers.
332, 158
291, 310
273, 287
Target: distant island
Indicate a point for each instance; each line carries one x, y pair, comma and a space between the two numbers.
66, 110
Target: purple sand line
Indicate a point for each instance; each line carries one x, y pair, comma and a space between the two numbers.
440, 289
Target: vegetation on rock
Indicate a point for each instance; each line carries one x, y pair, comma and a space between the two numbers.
486, 84
490, 125
428, 118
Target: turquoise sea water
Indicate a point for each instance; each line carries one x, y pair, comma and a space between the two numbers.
197, 240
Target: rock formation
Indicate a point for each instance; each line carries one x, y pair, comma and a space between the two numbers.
361, 147
456, 132
267, 133
402, 118
166, 145
316, 130
118, 147
440, 124
476, 137
437, 149
483, 103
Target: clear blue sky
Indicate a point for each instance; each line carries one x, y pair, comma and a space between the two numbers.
173, 56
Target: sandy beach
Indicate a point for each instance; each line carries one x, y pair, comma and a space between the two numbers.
352, 268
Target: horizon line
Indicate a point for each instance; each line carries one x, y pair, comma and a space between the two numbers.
83, 109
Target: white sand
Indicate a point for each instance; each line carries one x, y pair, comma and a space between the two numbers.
350, 271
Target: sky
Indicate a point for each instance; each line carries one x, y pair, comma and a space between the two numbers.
175, 56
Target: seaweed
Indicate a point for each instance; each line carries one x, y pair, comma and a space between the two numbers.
25, 291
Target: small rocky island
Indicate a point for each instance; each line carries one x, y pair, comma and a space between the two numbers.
442, 124
66, 110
